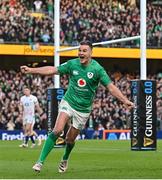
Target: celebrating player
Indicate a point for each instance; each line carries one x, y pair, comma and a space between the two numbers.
28, 104
85, 75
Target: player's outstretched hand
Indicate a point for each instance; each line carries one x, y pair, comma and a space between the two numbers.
25, 69
128, 104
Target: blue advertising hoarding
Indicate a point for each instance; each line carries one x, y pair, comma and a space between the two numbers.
85, 134
18, 135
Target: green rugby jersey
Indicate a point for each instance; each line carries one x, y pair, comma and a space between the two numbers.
83, 82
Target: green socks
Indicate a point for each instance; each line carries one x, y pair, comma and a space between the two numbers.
68, 149
48, 146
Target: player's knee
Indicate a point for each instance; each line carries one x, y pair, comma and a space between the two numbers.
57, 132
28, 132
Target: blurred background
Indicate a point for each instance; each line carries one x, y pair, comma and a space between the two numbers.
27, 38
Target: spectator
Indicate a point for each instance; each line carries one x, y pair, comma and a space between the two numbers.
10, 125
38, 5
45, 37
50, 6
1, 36
107, 112
11, 84
97, 20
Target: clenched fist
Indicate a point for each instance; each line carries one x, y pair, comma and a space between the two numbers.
128, 104
25, 69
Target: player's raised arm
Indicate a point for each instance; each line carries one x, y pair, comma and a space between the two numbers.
46, 70
118, 94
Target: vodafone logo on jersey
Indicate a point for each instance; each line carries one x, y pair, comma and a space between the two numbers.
81, 82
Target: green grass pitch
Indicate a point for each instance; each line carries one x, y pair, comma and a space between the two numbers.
95, 159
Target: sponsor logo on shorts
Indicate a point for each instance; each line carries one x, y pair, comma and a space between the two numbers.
81, 82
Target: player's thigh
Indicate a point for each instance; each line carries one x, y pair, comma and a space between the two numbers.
24, 125
61, 120
79, 119
30, 120
63, 117
25, 128
29, 128
72, 134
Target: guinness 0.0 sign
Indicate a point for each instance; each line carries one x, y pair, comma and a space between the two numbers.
143, 117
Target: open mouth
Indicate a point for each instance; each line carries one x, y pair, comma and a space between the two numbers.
81, 57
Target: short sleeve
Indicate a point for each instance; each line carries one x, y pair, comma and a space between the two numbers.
64, 68
104, 77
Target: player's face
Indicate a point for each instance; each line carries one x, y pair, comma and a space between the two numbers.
26, 92
84, 54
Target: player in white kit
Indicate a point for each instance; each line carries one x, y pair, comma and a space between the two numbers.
28, 105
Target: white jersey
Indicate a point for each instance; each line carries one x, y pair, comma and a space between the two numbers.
29, 103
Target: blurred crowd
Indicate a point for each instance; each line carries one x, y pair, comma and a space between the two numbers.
80, 19
11, 85
107, 113
31, 22
17, 25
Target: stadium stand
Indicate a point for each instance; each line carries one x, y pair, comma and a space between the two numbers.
18, 25
100, 20
24, 22
107, 112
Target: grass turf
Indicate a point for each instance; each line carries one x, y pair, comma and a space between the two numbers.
90, 159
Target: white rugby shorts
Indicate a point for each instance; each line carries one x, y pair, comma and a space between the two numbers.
28, 120
78, 119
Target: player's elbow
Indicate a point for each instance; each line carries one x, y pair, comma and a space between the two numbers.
53, 71
50, 70
111, 87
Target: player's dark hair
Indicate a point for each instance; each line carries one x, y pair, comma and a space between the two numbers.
88, 43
